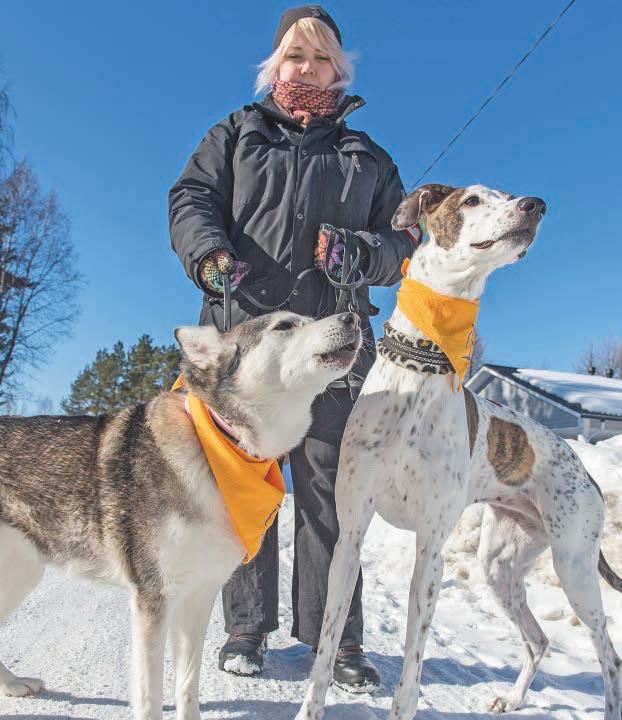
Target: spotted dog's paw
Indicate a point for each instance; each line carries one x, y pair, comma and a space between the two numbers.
502, 705
21, 687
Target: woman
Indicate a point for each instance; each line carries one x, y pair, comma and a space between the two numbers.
260, 200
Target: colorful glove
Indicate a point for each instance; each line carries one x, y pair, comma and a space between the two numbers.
334, 263
218, 263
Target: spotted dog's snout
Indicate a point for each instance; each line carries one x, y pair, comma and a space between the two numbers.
533, 206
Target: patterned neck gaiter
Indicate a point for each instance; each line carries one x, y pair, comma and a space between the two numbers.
305, 102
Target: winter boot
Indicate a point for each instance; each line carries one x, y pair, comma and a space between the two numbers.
354, 671
243, 653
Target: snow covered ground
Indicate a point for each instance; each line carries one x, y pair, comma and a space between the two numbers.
75, 636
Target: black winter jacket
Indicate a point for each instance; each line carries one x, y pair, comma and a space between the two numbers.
259, 185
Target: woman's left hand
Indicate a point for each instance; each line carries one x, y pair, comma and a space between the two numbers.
334, 264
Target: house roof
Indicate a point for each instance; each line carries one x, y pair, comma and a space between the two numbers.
591, 396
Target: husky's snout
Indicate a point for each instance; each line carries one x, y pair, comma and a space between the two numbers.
350, 318
343, 341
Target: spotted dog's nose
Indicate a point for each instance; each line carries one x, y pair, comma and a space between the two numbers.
350, 318
532, 206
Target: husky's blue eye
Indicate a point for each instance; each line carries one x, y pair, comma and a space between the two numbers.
284, 325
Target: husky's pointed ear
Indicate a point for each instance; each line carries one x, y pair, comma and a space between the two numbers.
421, 201
202, 345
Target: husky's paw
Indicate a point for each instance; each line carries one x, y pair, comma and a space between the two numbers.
21, 687
502, 705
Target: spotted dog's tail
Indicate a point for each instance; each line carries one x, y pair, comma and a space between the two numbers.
608, 574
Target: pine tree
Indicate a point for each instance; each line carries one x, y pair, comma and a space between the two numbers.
118, 379
140, 380
150, 369
98, 388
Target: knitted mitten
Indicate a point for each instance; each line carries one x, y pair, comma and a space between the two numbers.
218, 263
334, 263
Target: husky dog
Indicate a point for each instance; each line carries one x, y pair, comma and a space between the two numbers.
418, 452
130, 498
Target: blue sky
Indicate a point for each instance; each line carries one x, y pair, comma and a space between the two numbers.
112, 97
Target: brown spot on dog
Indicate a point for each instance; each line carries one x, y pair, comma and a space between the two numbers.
445, 222
509, 452
472, 418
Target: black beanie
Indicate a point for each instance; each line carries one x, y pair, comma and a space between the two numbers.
289, 17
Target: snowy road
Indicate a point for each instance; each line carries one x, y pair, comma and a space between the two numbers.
75, 635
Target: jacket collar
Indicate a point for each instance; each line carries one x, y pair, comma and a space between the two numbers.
269, 108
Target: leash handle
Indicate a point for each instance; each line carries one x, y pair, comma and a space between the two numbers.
354, 277
348, 271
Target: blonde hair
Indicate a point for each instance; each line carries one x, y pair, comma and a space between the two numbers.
318, 33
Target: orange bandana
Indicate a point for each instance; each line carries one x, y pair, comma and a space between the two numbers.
253, 489
447, 321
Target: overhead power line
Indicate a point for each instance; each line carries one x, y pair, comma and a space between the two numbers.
496, 91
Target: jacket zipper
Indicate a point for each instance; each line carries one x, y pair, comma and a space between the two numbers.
354, 165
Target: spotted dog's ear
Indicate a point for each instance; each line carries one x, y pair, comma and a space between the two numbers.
421, 201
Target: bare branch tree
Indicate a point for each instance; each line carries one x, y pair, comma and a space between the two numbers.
587, 361
6, 132
38, 280
605, 358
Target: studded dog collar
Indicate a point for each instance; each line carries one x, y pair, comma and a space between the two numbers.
416, 354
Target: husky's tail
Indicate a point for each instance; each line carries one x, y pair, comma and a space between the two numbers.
608, 574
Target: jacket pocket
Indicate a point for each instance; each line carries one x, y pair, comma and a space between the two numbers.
359, 170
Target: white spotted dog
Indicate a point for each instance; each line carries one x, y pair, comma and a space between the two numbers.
418, 450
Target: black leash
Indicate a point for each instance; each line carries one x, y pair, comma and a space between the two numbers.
262, 306
354, 279
226, 306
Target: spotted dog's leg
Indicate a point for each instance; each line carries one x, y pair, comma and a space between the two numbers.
424, 588
355, 509
575, 557
507, 550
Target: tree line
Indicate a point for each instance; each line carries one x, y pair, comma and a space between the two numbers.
118, 378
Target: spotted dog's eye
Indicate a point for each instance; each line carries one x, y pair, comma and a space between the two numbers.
284, 325
472, 201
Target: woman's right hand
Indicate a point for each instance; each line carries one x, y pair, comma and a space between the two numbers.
219, 263
334, 263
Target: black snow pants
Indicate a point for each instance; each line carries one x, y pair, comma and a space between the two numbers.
251, 596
